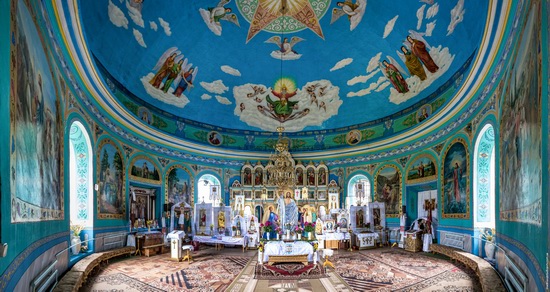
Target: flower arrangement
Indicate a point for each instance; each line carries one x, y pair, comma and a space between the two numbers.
309, 227
298, 229
489, 234
149, 223
279, 230
234, 228
268, 226
76, 229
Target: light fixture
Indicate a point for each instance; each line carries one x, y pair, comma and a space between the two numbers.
281, 173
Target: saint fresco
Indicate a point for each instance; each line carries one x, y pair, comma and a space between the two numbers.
423, 168
455, 180
179, 186
111, 194
36, 127
388, 189
521, 131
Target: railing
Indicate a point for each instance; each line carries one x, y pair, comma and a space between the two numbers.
46, 279
514, 278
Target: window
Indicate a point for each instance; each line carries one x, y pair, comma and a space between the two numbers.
484, 179
208, 189
358, 191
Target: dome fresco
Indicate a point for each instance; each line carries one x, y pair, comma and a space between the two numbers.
253, 65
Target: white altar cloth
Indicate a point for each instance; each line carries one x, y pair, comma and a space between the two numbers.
288, 248
334, 236
365, 240
225, 240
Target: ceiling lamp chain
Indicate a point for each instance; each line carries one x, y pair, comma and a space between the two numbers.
281, 169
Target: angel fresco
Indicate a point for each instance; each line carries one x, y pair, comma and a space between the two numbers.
286, 49
213, 15
167, 69
392, 71
419, 48
354, 11
185, 80
412, 62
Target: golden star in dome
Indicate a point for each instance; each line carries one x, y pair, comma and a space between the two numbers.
269, 10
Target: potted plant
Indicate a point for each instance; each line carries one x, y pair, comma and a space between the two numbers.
75, 238
309, 228
268, 228
489, 235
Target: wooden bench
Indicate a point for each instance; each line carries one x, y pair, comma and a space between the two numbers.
154, 249
487, 275
78, 274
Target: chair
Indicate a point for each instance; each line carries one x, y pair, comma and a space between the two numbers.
328, 253
187, 249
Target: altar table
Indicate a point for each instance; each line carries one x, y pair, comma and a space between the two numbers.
365, 240
296, 248
221, 241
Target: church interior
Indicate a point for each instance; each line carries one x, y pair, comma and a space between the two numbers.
274, 145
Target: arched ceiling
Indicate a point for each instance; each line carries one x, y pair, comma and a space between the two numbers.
237, 67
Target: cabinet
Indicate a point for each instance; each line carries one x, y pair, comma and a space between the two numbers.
331, 244
413, 241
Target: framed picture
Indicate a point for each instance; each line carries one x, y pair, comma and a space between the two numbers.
322, 195
297, 194
271, 194
329, 225
248, 195
235, 193
258, 195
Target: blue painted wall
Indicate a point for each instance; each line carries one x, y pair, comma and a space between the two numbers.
28, 239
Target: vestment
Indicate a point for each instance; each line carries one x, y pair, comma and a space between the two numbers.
418, 48
184, 83
396, 78
414, 65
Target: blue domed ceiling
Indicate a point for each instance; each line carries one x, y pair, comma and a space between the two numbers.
253, 65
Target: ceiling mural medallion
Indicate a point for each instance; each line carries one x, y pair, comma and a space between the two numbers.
271, 15
286, 104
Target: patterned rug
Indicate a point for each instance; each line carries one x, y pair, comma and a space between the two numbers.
398, 270
208, 271
288, 271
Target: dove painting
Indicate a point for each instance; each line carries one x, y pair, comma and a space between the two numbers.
286, 49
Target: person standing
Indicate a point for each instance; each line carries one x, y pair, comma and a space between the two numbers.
457, 174
418, 48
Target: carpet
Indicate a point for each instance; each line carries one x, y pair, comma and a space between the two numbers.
208, 271
288, 271
118, 282
398, 270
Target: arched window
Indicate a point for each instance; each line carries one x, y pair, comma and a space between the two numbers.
358, 191
80, 176
208, 190
484, 179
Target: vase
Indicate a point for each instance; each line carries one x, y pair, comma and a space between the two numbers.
310, 235
267, 235
489, 250
299, 236
278, 236
75, 244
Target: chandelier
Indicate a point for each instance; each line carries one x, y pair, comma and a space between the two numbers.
280, 169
